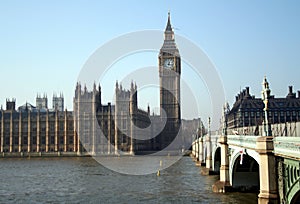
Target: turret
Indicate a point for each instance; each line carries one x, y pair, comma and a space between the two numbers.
133, 98
99, 91
85, 89
11, 104
94, 88
78, 90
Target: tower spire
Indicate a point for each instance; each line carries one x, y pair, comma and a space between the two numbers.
169, 27
169, 45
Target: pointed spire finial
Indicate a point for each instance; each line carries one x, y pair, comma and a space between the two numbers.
132, 86
94, 86
169, 27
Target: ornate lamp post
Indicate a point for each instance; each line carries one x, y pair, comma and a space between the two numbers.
265, 97
201, 157
224, 119
267, 164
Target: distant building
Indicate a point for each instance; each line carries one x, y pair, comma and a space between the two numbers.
247, 111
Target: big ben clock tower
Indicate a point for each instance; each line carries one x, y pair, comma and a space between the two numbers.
169, 77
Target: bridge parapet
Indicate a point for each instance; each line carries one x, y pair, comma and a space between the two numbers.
247, 142
287, 147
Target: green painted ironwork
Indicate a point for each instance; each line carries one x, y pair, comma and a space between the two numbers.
288, 179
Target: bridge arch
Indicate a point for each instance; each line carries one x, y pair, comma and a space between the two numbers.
216, 163
245, 174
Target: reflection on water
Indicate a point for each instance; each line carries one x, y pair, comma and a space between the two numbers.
83, 180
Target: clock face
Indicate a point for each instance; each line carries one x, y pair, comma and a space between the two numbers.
168, 63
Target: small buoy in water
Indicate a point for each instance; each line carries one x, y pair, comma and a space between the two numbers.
158, 173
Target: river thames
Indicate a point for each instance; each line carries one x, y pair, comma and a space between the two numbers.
83, 180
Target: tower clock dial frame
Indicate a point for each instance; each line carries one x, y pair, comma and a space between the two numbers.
168, 63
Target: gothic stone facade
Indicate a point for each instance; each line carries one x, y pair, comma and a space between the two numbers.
36, 131
123, 126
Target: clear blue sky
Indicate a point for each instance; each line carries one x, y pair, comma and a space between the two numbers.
44, 44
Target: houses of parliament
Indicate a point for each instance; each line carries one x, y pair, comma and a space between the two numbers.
96, 128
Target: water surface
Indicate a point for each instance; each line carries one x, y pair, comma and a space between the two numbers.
83, 180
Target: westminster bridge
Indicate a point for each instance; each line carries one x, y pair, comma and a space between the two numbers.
270, 164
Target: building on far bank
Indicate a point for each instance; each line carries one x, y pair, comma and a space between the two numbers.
246, 115
30, 130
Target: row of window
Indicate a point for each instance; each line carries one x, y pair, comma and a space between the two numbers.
34, 140
281, 113
61, 149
